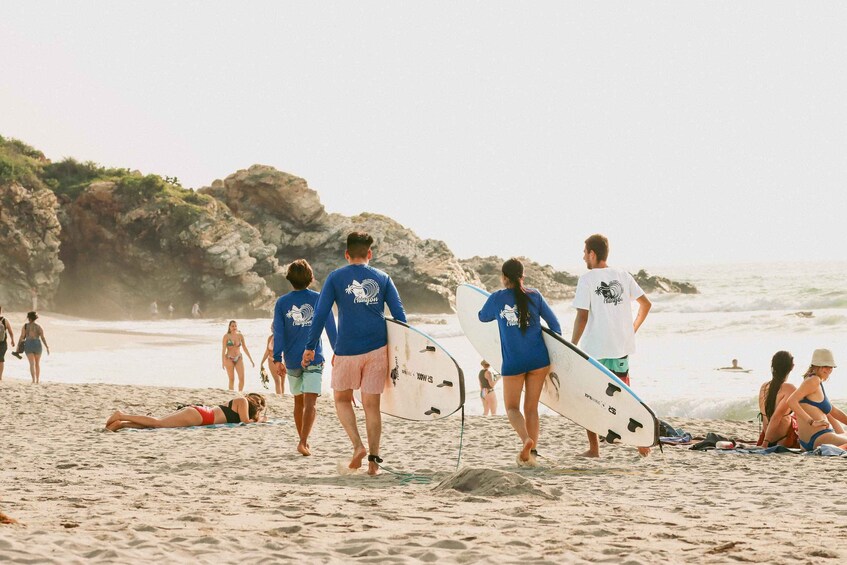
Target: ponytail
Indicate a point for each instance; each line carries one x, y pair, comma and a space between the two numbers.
781, 364
513, 271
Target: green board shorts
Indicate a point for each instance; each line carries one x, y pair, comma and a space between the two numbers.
302, 380
620, 366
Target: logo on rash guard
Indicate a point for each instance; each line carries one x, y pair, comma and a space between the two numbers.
510, 314
612, 293
301, 316
364, 292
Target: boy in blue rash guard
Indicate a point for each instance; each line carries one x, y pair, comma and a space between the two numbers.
519, 311
361, 353
293, 317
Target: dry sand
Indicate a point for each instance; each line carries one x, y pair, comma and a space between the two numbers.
243, 495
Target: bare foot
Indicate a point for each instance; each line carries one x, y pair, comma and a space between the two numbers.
373, 468
644, 451
116, 416
526, 452
115, 426
358, 455
303, 448
590, 453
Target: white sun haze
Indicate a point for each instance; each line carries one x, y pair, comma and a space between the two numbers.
687, 132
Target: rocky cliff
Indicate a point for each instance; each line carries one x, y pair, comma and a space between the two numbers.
29, 230
290, 216
129, 242
553, 284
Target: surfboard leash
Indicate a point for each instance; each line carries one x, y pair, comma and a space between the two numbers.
417, 479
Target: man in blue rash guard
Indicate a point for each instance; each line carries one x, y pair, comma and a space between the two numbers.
361, 353
293, 316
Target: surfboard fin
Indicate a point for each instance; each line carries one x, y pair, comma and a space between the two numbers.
612, 437
634, 425
433, 410
430, 348
444, 383
612, 389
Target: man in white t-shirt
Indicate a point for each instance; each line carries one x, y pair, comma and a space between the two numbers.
604, 317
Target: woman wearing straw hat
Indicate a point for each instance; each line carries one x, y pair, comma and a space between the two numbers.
812, 406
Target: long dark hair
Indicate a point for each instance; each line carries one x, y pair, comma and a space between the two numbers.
255, 404
513, 270
781, 364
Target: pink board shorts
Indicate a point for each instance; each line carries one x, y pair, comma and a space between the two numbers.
367, 371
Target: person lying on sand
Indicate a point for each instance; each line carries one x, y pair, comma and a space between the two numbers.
247, 409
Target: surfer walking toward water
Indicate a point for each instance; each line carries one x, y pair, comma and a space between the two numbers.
518, 311
604, 318
361, 293
293, 318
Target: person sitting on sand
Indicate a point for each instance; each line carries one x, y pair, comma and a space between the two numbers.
811, 405
242, 410
486, 390
782, 429
518, 311
231, 358
293, 317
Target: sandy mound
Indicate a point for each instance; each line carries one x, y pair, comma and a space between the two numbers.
491, 482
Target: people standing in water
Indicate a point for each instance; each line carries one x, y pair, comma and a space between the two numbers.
195, 310
779, 425
293, 317
244, 410
486, 390
272, 365
604, 317
518, 311
231, 358
812, 407
6, 336
361, 293
32, 336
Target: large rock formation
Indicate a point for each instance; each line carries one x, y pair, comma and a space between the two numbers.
659, 285
290, 216
129, 242
29, 230
29, 238
553, 284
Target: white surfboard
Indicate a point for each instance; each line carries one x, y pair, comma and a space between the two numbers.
577, 387
423, 382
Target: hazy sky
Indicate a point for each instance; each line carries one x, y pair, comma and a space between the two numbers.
687, 132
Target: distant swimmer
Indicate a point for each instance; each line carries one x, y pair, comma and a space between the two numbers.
242, 410
361, 349
604, 316
735, 367
293, 322
195, 310
518, 312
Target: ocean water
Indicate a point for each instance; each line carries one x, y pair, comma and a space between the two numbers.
744, 311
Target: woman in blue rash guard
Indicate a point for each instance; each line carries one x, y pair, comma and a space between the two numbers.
518, 312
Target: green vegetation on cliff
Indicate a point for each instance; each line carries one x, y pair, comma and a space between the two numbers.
20, 163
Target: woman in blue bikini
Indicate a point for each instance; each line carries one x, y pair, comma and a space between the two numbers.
812, 406
231, 358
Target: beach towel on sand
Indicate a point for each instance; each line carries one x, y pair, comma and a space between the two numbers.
211, 426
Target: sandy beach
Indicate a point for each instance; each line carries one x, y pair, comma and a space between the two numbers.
243, 494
